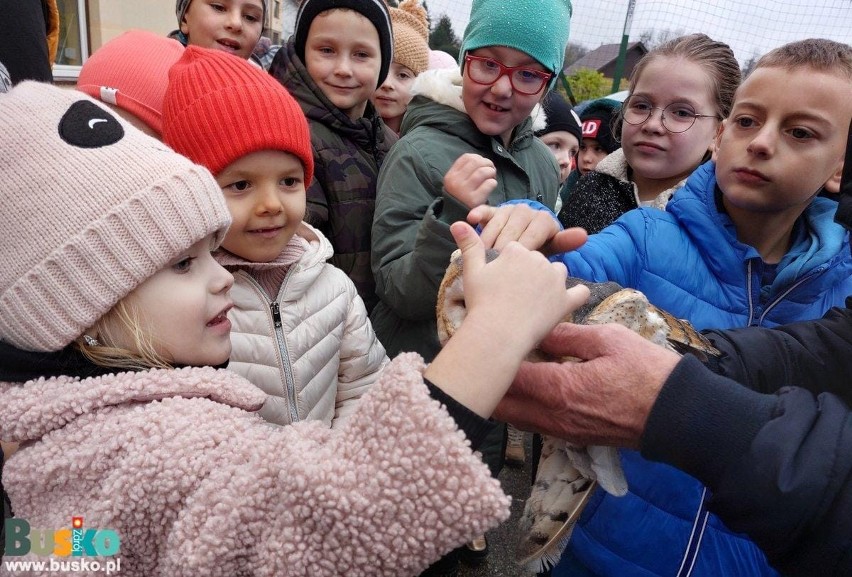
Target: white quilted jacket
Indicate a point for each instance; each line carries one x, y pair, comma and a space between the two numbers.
312, 349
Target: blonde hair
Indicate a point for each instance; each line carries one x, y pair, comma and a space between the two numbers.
105, 354
816, 53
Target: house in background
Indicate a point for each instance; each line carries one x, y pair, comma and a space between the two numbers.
86, 25
603, 59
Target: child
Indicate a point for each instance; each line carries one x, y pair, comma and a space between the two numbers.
679, 93
561, 134
301, 332
410, 58
746, 242
339, 54
112, 312
598, 140
233, 26
463, 146
129, 74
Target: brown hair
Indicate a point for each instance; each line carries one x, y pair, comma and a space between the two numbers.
816, 53
715, 57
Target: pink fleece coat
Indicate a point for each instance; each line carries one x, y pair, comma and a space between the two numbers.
196, 484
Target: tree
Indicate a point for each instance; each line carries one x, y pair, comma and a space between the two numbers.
653, 38
573, 52
750, 63
443, 38
587, 84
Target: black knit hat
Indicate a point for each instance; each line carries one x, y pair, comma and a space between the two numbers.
598, 118
559, 116
376, 11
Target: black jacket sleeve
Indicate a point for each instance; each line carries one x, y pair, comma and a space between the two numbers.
779, 465
815, 355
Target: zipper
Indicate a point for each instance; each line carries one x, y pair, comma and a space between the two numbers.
693, 546
750, 296
283, 353
791, 288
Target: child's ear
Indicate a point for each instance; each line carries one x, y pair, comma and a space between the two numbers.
184, 27
833, 184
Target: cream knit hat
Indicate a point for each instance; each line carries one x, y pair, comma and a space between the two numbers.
410, 35
90, 208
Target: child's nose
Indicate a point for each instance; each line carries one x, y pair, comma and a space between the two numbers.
234, 19
344, 67
269, 201
223, 281
763, 142
502, 86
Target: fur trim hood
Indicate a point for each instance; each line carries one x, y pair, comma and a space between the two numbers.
444, 86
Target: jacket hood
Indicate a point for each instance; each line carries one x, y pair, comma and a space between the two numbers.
290, 71
817, 239
444, 87
33, 409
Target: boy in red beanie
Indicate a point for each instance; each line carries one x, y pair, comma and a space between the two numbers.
300, 330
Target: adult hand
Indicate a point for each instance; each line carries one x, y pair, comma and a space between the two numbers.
604, 400
535, 229
471, 179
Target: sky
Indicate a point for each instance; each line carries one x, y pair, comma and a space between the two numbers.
750, 27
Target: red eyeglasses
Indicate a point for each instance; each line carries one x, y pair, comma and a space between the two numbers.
524, 80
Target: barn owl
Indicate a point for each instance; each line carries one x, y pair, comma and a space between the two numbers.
568, 474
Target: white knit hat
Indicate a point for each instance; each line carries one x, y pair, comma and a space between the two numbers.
90, 208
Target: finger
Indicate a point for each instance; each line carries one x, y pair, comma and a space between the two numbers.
536, 232
582, 341
566, 240
492, 228
473, 251
577, 295
481, 214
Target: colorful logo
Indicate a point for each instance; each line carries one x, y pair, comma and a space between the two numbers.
22, 539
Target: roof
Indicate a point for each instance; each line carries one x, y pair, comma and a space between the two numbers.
602, 56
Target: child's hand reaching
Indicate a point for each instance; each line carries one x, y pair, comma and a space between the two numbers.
512, 303
520, 294
471, 179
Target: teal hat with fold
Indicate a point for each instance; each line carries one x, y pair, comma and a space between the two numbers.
539, 28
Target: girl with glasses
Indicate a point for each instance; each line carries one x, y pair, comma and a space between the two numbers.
466, 139
679, 94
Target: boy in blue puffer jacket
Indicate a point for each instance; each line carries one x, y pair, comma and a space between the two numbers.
746, 242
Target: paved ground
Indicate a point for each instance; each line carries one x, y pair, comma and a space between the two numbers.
502, 541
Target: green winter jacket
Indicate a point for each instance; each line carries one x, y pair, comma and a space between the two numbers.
412, 243
347, 156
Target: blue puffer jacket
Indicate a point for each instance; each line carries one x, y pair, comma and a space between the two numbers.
688, 261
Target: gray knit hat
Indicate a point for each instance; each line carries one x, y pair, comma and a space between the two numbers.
90, 208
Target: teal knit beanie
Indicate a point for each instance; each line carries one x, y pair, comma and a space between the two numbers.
539, 28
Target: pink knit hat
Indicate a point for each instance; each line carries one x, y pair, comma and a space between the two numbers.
131, 71
218, 108
90, 208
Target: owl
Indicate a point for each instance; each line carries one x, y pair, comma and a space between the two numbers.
568, 474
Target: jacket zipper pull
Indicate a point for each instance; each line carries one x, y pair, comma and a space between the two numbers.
276, 315
540, 198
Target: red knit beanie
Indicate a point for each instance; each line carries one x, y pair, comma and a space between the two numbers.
219, 108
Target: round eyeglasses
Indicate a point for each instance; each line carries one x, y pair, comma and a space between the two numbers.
676, 117
487, 71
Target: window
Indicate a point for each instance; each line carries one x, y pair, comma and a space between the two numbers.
73, 47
